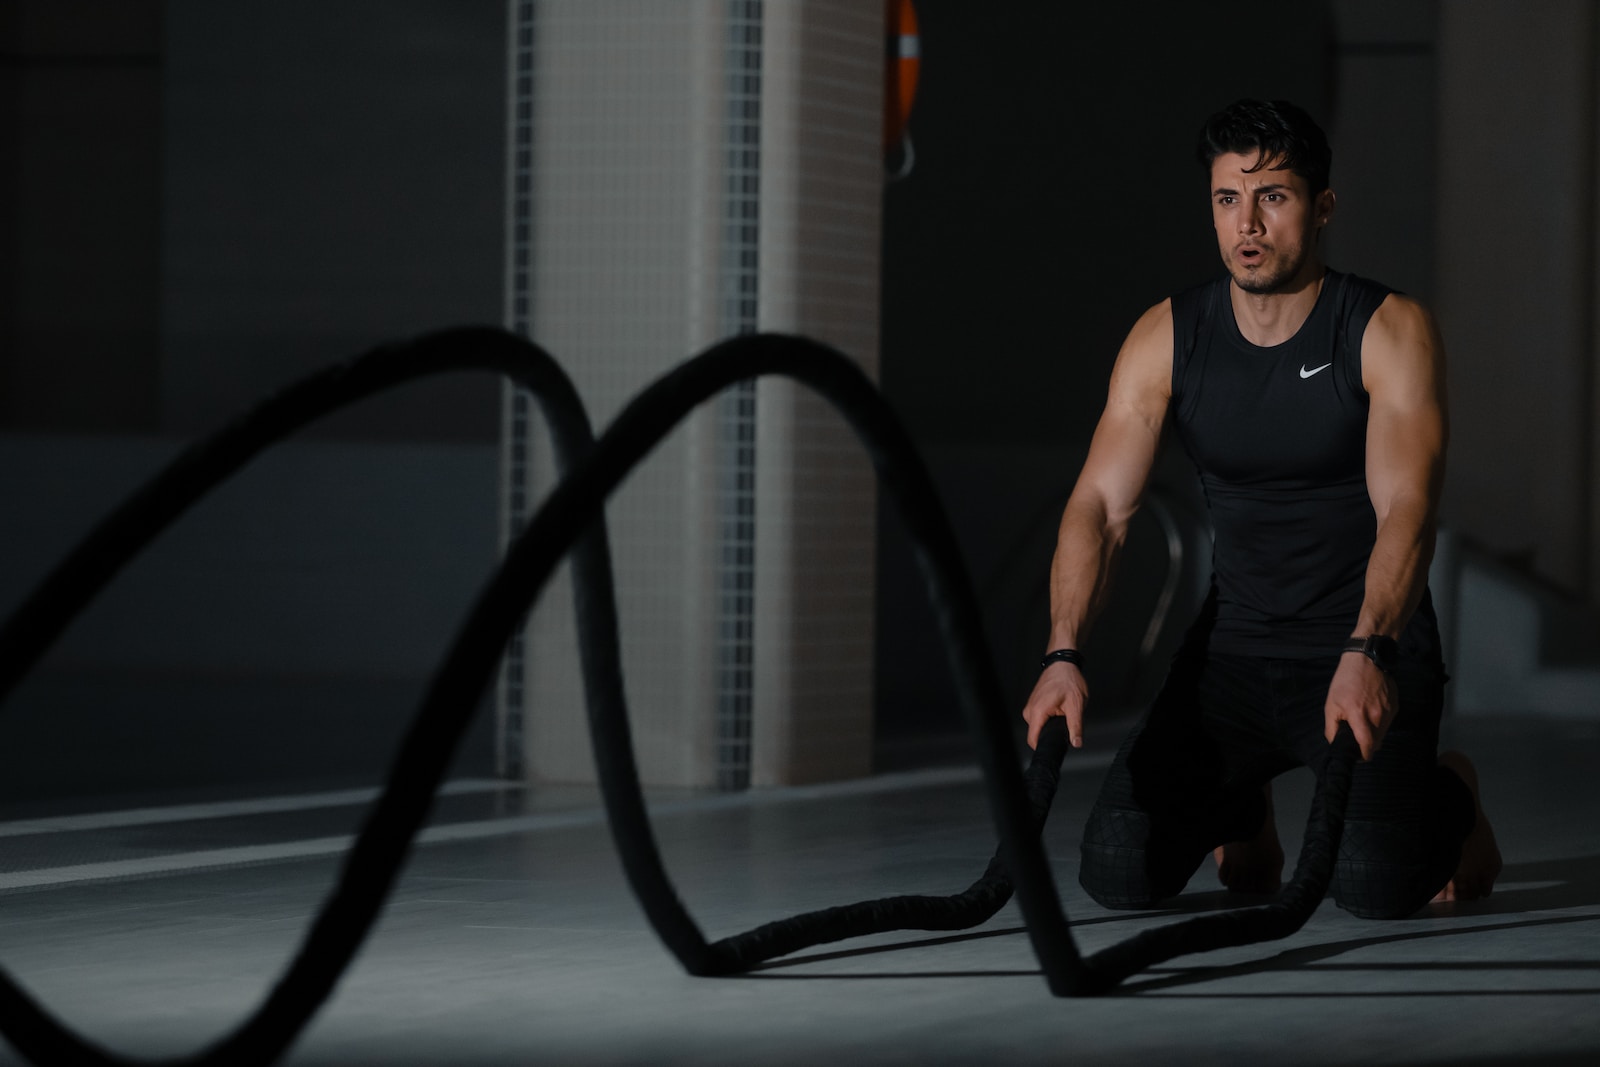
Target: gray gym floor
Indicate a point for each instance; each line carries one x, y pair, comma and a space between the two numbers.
512, 938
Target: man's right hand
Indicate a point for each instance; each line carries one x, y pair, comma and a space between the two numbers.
1062, 691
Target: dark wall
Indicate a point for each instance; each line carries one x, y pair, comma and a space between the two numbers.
199, 203
204, 201
80, 114
333, 178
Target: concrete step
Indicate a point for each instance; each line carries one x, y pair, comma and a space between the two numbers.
1515, 644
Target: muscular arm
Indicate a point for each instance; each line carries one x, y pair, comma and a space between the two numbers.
1402, 367
1095, 522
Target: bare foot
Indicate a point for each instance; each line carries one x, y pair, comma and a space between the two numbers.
1480, 856
1254, 866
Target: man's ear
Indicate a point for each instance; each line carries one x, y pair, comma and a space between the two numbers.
1325, 204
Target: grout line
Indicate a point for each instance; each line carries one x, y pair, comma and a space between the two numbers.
474, 830
222, 809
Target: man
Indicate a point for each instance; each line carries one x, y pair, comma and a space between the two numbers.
1312, 404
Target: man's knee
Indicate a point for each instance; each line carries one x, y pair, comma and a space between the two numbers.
1385, 871
1374, 891
1115, 879
1116, 868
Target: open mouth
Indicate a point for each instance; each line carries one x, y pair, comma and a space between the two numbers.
1250, 255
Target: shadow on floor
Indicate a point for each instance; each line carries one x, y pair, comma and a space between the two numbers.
1557, 884
1572, 883
1569, 883
1188, 904
1306, 958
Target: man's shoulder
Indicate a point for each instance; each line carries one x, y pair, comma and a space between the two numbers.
1400, 343
1378, 307
1145, 362
1358, 294
1370, 309
1399, 319
1188, 310
1396, 303
1151, 335
1201, 291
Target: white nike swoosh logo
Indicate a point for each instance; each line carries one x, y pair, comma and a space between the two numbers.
1308, 373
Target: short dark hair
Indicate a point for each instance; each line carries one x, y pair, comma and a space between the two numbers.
1283, 135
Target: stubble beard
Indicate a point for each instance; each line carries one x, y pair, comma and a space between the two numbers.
1261, 282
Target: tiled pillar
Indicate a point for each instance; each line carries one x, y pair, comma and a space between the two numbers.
679, 173
822, 181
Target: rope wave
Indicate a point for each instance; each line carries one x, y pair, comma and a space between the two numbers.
572, 521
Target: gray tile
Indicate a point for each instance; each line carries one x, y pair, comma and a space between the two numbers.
529, 947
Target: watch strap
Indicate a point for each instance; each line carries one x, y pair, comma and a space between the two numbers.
1062, 655
1380, 649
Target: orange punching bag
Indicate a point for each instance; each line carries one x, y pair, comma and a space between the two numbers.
904, 60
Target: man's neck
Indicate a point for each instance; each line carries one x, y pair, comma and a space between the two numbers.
1268, 319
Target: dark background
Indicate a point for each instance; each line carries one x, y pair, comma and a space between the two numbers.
200, 202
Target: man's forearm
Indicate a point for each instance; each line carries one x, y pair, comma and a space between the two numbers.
1397, 571
1087, 549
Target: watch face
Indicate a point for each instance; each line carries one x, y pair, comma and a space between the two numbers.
1383, 650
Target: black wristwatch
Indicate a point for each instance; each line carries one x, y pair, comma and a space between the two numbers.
1384, 651
1062, 655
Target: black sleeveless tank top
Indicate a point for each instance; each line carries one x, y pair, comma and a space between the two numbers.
1279, 437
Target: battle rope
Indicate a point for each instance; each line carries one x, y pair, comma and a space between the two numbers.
572, 519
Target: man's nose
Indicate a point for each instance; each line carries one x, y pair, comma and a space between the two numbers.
1250, 219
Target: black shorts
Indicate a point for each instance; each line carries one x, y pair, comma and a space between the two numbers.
1190, 775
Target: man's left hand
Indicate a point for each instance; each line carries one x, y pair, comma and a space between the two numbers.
1363, 696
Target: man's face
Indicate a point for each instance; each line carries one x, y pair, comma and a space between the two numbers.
1267, 221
